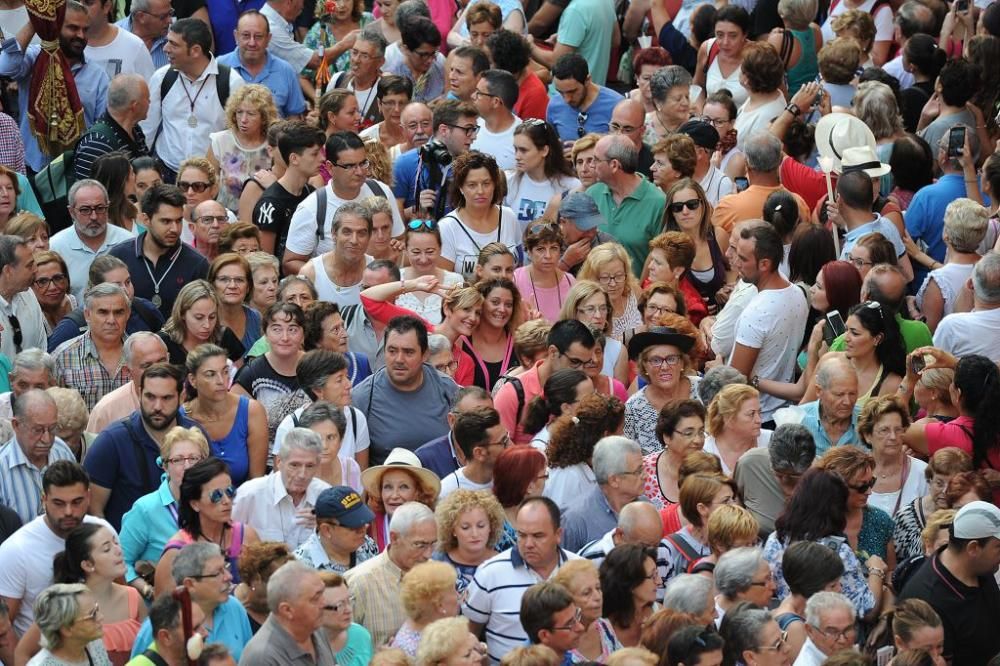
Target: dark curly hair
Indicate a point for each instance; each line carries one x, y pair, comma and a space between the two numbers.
673, 412
817, 509
460, 169
572, 438
623, 570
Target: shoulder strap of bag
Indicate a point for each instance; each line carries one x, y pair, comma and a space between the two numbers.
320, 212
154, 657
685, 549
222, 84
519, 392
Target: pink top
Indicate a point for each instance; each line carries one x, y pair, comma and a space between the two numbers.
547, 300
958, 433
120, 636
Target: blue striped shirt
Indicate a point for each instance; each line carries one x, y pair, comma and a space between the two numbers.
157, 52
21, 482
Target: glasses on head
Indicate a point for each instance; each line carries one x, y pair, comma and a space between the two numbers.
184, 460
618, 128
543, 226
340, 605
875, 305
226, 568
690, 204
216, 495
846, 634
575, 363
92, 615
658, 361
570, 626
89, 211
416, 225
354, 166
533, 122
448, 368
581, 120
591, 310
58, 279
213, 219
470, 130
863, 487
198, 186
777, 645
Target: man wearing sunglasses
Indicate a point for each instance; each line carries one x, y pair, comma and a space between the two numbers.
551, 618
494, 96
418, 58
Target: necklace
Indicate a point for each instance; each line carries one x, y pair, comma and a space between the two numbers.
156, 299
535, 293
192, 120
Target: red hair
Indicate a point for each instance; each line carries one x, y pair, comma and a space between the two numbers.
842, 283
654, 55
513, 472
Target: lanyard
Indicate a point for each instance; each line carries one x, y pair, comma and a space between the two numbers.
157, 301
192, 119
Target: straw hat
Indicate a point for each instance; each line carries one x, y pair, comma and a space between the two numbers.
836, 132
403, 459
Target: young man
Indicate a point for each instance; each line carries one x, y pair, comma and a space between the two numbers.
481, 437
494, 97
116, 50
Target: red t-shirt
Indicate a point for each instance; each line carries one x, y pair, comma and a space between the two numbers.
532, 98
804, 181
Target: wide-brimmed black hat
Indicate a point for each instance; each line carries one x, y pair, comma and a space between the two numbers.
658, 335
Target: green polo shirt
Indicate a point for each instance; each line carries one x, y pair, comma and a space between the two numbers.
915, 335
634, 222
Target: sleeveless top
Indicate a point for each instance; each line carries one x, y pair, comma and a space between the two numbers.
120, 636
874, 388
328, 290
232, 449
715, 81
237, 165
628, 319
487, 373
950, 279
251, 333
807, 67
232, 554
709, 282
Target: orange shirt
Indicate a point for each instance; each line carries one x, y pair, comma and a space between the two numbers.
749, 205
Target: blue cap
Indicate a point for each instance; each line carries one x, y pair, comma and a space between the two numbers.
344, 505
580, 209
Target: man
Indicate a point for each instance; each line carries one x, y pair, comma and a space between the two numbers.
280, 505
422, 193
18, 59
550, 617
202, 570
956, 83
364, 334
117, 51
638, 522
421, 61
252, 61
832, 419
958, 582
293, 630
341, 540
830, 627
481, 438
308, 232
375, 583
706, 140
494, 97
149, 20
763, 155
579, 220
93, 363
767, 477
118, 129
416, 120
621, 476
26, 557
169, 642
582, 106
364, 75
586, 29
976, 332
769, 332
122, 461
407, 385
691, 593
720, 330
466, 65
854, 208
22, 324
440, 455
337, 274
141, 350
912, 17
499, 584
158, 262
90, 234
207, 221
631, 205
281, 16
629, 120
512, 53
570, 345
187, 98
32, 449
33, 369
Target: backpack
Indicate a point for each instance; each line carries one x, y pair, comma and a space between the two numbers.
372, 184
170, 78
690, 555
518, 391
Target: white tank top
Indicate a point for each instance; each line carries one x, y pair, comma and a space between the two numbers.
328, 291
715, 81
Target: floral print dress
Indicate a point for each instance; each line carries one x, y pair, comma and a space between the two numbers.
320, 36
237, 163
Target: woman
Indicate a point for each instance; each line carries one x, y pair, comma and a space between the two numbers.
562, 393
645, 64
667, 622
662, 357
658, 299
194, 321
260, 181
680, 425
589, 302
603, 384
719, 58
837, 288
423, 249
763, 77
916, 626
608, 264
752, 637
33, 229
272, 375
629, 579
427, 592
72, 417
584, 159
491, 344
700, 495
351, 643
674, 157
900, 478
743, 575
399, 480
392, 94
236, 425
242, 238
10, 190
583, 581
871, 249
147, 174
839, 61
808, 567
913, 165
541, 171
734, 425
204, 513
114, 172
542, 283
339, 112
386, 23
670, 93
933, 396
325, 330
478, 218
519, 472
495, 260
335, 547
257, 562
71, 624
198, 179
923, 59
882, 15
450, 643
239, 151
51, 287
264, 268
910, 520
729, 527
694, 646
688, 210
797, 42
233, 280
875, 104
470, 523
334, 31
720, 112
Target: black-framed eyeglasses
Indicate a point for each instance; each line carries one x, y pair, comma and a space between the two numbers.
216, 495
470, 130
480, 93
340, 605
575, 363
88, 211
416, 225
58, 279
363, 164
581, 120
570, 626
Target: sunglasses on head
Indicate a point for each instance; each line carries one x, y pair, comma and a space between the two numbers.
678, 206
416, 225
216, 495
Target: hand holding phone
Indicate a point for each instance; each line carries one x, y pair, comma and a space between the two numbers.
834, 327
956, 142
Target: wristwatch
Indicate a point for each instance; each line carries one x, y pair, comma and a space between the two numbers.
793, 109
754, 381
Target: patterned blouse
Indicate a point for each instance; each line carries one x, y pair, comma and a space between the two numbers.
609, 643
652, 488
910, 521
319, 35
312, 553
628, 320
875, 534
640, 418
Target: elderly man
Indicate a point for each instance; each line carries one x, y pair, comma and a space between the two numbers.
551, 618
375, 583
621, 477
280, 505
22, 324
33, 369
579, 220
496, 590
440, 455
363, 78
341, 540
149, 20
629, 120
638, 522
141, 350
830, 627
691, 593
205, 227
118, 129
292, 631
169, 642
26, 456
631, 205
481, 438
742, 574
202, 569
976, 332
832, 419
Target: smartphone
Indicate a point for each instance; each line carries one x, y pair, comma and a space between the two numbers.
834, 327
917, 364
742, 183
956, 141
961, 5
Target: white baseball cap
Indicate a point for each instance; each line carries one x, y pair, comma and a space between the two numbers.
977, 520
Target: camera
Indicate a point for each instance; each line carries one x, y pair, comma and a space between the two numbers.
434, 153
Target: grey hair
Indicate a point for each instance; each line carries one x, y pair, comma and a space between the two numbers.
300, 439
28, 399
798, 13
35, 359
736, 569
80, 184
190, 561
321, 411
56, 608
875, 104
622, 149
716, 379
666, 79
259, 260
373, 36
408, 516
139, 336
124, 90
822, 602
792, 449
763, 151
437, 343
8, 249
831, 367
688, 593
411, 9
609, 456
139, 6
913, 17
744, 628
284, 584
104, 290
986, 278
965, 222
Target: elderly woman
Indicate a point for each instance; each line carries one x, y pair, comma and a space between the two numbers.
450, 643
194, 321
470, 523
325, 330
911, 519
734, 425
583, 581
240, 150
719, 59
428, 593
72, 420
401, 479
658, 299
33, 229
763, 77
839, 60
243, 238
741, 575
797, 42
630, 579
71, 625
264, 269
609, 265
674, 157
701, 495
257, 562
519, 472
589, 302
52, 288
233, 280
351, 643
752, 637
584, 160
900, 478
670, 93
808, 568
680, 426
876, 105
728, 527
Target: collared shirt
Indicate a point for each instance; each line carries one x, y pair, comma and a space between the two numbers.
79, 366
587, 519
91, 82
377, 606
21, 481
283, 44
156, 51
11, 145
439, 456
230, 626
93, 145
811, 420
810, 655
30, 319
114, 406
312, 553
634, 221
427, 86
79, 256
273, 645
147, 527
495, 598
278, 76
264, 504
168, 119
172, 271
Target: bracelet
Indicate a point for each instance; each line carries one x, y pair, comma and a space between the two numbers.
878, 572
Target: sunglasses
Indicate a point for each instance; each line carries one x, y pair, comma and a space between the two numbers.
417, 225
863, 487
581, 120
198, 187
216, 495
18, 335
691, 204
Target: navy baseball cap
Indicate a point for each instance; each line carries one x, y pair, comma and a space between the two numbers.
580, 209
702, 133
344, 505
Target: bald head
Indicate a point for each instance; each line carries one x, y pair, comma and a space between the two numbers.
209, 207
616, 147
629, 120
126, 90
838, 387
886, 284
833, 367
640, 522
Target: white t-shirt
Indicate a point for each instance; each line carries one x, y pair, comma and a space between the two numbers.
12, 20
914, 486
461, 244
763, 439
350, 443
965, 333
883, 20
716, 185
529, 198
773, 322
749, 121
126, 54
365, 97
302, 228
499, 145
457, 480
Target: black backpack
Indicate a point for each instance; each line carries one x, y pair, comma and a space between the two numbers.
372, 184
170, 78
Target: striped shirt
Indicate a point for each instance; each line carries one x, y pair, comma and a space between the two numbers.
495, 599
377, 606
79, 366
158, 54
21, 481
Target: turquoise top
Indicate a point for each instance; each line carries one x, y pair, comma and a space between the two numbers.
807, 68
147, 527
358, 648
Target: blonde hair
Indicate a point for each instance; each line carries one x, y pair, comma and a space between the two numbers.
938, 380
71, 410
582, 291
846, 461
462, 298
377, 205
389, 656
258, 96
441, 638
602, 255
857, 24
380, 164
798, 13
531, 655
573, 568
26, 224
423, 585
725, 405
179, 434
585, 142
201, 164
965, 222
728, 525
877, 408
632, 656
259, 260
451, 508
191, 293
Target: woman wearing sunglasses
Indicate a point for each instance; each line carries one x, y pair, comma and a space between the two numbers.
541, 170
688, 210
204, 513
51, 287
423, 250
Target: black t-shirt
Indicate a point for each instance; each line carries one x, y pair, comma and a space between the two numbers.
263, 382
185, 8
177, 355
273, 212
